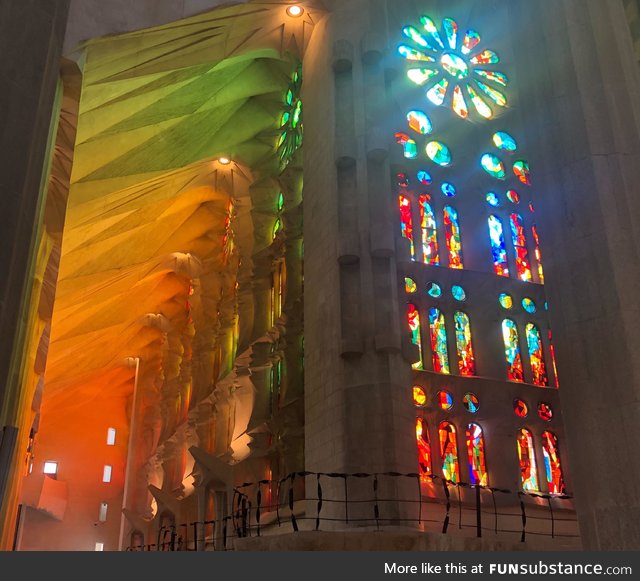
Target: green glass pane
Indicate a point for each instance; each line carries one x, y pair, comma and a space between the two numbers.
438, 153
493, 166
505, 142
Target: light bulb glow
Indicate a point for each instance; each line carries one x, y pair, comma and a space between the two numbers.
295, 11
224, 160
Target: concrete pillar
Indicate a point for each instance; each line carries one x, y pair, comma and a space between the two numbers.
582, 106
29, 73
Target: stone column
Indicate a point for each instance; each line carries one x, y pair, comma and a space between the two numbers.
31, 38
581, 99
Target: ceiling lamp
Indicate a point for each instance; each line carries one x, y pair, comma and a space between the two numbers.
295, 11
224, 160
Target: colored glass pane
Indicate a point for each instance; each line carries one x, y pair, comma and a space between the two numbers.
506, 301
498, 248
536, 356
419, 396
513, 197
411, 54
438, 92
280, 202
448, 189
419, 122
553, 358
528, 305
409, 147
458, 293
486, 57
523, 266
470, 41
493, 166
512, 350
402, 180
527, 458
521, 169
466, 359
410, 285
291, 131
438, 333
445, 400
538, 254
429, 230
424, 177
493, 199
481, 107
413, 317
459, 104
277, 226
449, 452
432, 32
434, 290
406, 222
553, 469
414, 34
494, 76
454, 65
545, 412
520, 408
421, 76
438, 153
476, 454
452, 233
451, 30
505, 142
424, 448
471, 402
496, 96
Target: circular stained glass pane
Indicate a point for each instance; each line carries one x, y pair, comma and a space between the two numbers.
434, 290
493, 199
513, 196
545, 412
521, 169
438, 153
419, 122
448, 189
506, 301
445, 400
521, 408
493, 166
528, 305
505, 142
403, 180
419, 396
471, 403
410, 285
458, 293
424, 177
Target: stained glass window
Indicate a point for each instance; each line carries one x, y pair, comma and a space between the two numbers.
536, 356
513, 197
493, 199
553, 358
512, 351
520, 408
419, 122
459, 67
438, 332
493, 166
439, 153
434, 290
466, 360
528, 305
414, 325
291, 131
476, 453
538, 254
506, 301
452, 232
553, 469
419, 396
403, 180
505, 142
471, 402
445, 400
424, 177
458, 293
409, 146
521, 169
429, 229
519, 238
410, 285
498, 248
527, 458
449, 452
406, 222
424, 447
545, 411
448, 189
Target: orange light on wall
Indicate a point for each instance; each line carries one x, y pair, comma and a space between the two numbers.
295, 11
